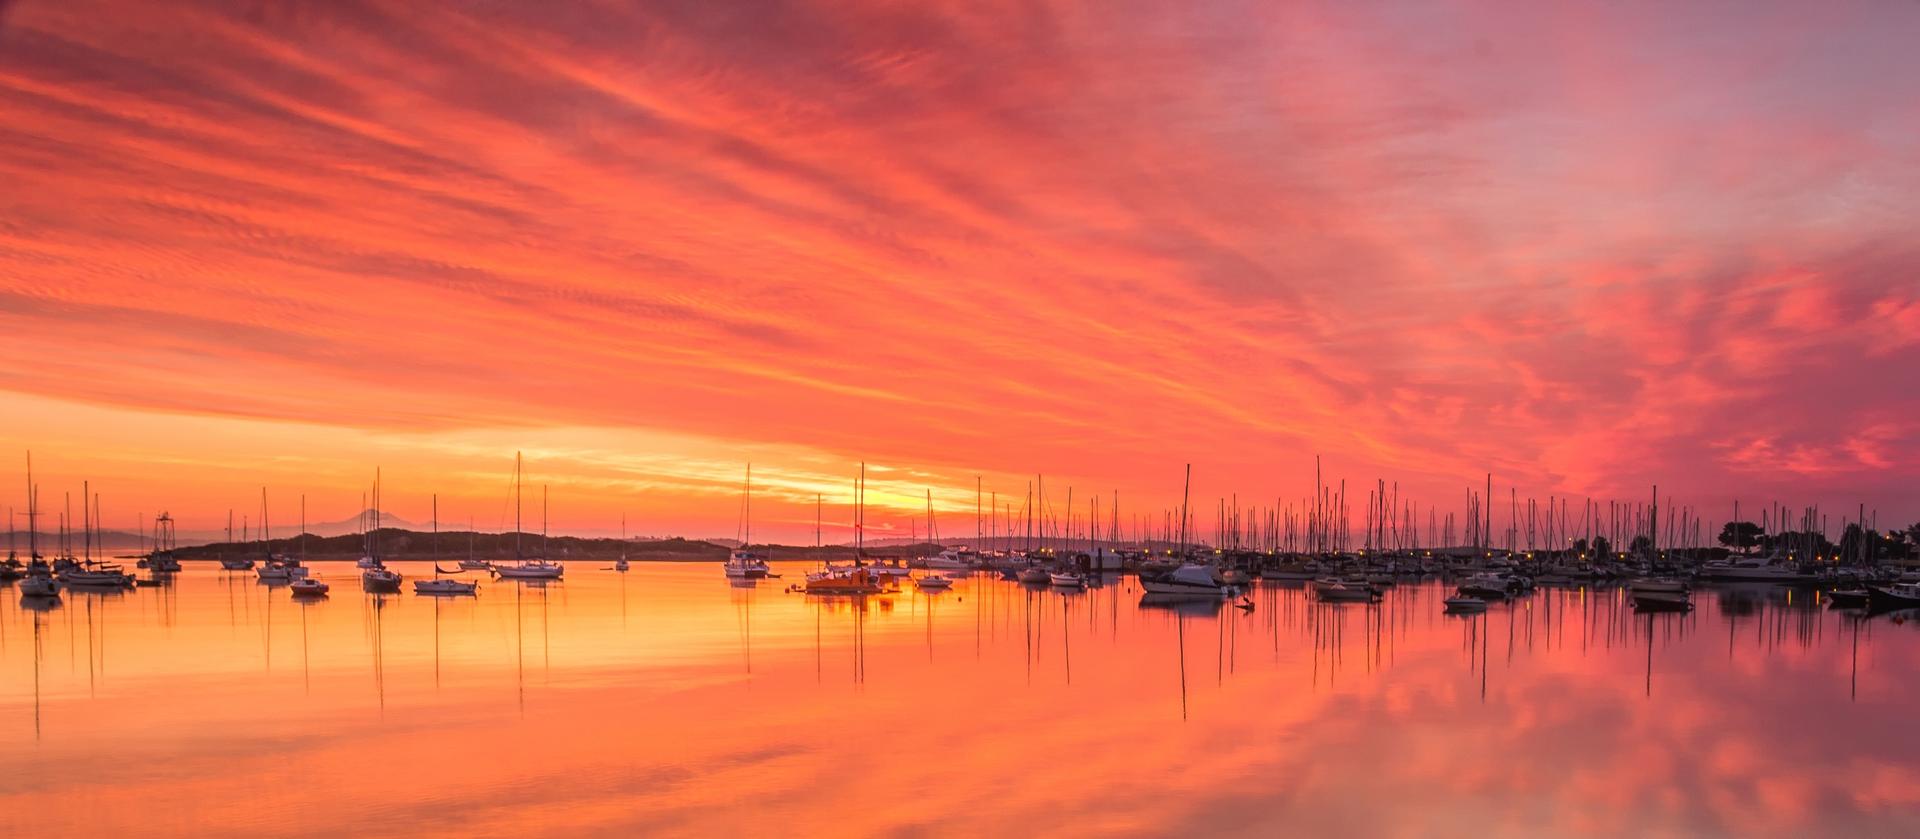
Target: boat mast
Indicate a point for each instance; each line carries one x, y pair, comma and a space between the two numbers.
1185, 489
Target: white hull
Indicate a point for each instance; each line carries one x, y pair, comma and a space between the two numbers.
39, 587
444, 587
529, 572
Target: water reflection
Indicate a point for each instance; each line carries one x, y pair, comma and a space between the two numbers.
645, 701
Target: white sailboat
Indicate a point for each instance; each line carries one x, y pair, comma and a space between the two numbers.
524, 567
443, 585
744, 564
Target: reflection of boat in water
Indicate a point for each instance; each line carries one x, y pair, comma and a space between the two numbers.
1662, 601
1463, 605
1183, 604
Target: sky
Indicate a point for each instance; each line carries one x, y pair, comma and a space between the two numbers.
1585, 247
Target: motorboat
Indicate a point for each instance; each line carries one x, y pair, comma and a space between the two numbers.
308, 587
1460, 604
1755, 571
1035, 575
1896, 596
445, 586
746, 565
933, 581
953, 559
1847, 598
1189, 580
1487, 586
1066, 579
1662, 601
280, 569
1344, 591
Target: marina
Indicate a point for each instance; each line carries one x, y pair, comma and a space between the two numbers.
649, 698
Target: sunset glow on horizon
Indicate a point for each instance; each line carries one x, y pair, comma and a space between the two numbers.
1587, 248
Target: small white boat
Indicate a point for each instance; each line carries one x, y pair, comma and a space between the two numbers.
443, 586
39, 586
1465, 605
1066, 579
1036, 574
531, 569
933, 581
308, 587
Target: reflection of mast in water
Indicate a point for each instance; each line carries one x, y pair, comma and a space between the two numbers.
1180, 630
519, 650
39, 610
743, 620
306, 672
377, 636
1066, 639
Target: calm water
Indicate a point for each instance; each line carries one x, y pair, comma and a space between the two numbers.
666, 701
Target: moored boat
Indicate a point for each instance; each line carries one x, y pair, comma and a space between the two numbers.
308, 587
933, 581
1662, 601
1896, 596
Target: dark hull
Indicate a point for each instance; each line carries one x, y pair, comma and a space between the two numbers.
1880, 600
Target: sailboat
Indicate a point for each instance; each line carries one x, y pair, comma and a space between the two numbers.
39, 584
855, 579
377, 577
621, 563
537, 568
234, 563
743, 563
161, 559
89, 573
442, 585
278, 568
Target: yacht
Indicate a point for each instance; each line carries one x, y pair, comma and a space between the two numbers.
1036, 575
746, 565
538, 568
1754, 570
1896, 596
1066, 579
530, 569
955, 558
281, 569
1190, 580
